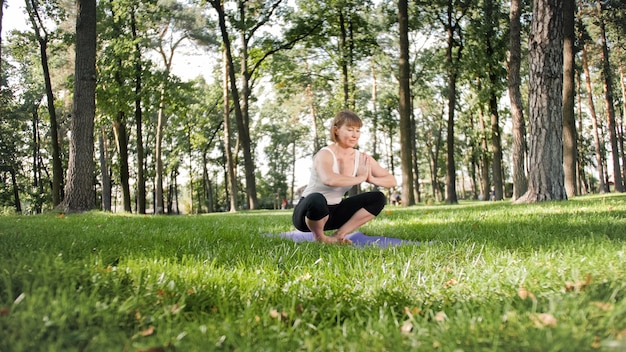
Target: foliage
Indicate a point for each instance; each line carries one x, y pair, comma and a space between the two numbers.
487, 276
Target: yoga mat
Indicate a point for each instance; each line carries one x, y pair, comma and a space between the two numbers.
358, 239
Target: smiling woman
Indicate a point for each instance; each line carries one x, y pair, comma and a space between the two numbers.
336, 169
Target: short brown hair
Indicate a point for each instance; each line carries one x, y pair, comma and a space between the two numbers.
344, 117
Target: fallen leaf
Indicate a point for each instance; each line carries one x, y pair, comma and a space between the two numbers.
596, 342
149, 331
524, 293
578, 286
4, 311
274, 313
450, 282
406, 327
412, 311
544, 319
440, 316
61, 216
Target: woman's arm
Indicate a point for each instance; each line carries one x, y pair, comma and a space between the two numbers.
379, 176
323, 163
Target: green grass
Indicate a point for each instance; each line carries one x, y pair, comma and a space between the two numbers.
489, 277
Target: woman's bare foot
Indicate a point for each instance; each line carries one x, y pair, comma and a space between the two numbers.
331, 239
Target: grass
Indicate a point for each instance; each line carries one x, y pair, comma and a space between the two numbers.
489, 277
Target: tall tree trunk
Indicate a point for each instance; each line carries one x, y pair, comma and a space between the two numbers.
484, 160
452, 59
344, 59
37, 182
79, 186
570, 152
496, 139
230, 162
121, 143
167, 56
16, 191
141, 177
546, 179
623, 86
244, 116
374, 135
582, 178
408, 198
608, 98
603, 187
105, 171
520, 181
158, 154
43, 39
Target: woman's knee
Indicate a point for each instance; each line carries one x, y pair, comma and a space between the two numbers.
317, 207
377, 202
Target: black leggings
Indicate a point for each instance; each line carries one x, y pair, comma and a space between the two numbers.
314, 207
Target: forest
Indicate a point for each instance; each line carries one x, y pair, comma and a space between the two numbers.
102, 107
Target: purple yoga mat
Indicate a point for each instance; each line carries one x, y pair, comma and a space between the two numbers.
357, 238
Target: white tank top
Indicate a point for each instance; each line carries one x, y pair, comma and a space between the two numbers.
333, 195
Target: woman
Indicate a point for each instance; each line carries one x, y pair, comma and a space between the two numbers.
337, 168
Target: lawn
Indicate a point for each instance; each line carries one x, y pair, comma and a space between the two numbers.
488, 276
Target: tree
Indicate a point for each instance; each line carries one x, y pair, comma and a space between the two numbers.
607, 76
545, 102
43, 38
520, 181
408, 197
451, 20
570, 152
78, 192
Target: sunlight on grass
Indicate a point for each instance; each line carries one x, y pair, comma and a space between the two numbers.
487, 276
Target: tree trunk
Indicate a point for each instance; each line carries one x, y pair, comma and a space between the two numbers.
57, 166
570, 138
608, 98
105, 171
603, 187
121, 142
408, 198
496, 139
484, 160
79, 186
583, 186
452, 72
520, 181
158, 155
230, 162
546, 179
623, 86
141, 178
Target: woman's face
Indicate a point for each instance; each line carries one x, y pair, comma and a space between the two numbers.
348, 135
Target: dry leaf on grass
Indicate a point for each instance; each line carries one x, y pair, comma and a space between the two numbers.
544, 319
523, 293
440, 316
578, 286
450, 282
406, 327
149, 331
